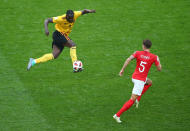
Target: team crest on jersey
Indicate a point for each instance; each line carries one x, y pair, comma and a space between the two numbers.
55, 18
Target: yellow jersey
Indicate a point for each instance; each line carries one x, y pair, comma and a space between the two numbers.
62, 25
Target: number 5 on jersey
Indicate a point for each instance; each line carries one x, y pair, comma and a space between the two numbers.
142, 65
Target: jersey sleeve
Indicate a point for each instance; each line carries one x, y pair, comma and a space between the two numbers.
77, 14
135, 54
157, 61
57, 19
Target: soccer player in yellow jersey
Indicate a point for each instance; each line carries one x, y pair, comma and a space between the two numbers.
63, 26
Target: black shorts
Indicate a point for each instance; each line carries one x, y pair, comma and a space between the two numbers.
59, 39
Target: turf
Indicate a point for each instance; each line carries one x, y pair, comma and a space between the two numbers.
50, 97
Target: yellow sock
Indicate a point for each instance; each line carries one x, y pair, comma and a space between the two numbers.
73, 53
44, 58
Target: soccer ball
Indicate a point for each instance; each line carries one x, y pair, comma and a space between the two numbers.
77, 66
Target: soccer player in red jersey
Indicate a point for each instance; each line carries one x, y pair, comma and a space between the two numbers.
144, 60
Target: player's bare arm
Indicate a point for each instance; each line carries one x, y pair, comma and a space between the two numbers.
86, 11
125, 64
159, 66
46, 22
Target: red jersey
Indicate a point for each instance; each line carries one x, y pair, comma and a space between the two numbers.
144, 60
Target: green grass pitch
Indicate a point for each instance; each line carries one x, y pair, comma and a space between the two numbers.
51, 98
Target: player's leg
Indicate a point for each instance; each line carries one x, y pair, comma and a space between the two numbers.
55, 53
125, 107
46, 57
137, 90
135, 93
72, 47
146, 86
57, 46
148, 82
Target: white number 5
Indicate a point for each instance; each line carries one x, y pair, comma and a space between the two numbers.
142, 65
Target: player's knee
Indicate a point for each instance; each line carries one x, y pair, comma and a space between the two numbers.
55, 56
134, 97
73, 44
70, 44
149, 82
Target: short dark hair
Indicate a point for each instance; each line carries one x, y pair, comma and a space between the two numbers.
70, 12
147, 43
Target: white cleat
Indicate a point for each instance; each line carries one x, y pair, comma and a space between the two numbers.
136, 103
30, 63
117, 118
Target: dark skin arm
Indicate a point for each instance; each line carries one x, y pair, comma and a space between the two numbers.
86, 11
46, 22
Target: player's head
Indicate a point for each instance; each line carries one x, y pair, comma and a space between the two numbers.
147, 44
70, 16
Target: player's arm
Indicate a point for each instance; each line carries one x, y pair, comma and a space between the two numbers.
86, 11
46, 22
125, 64
158, 65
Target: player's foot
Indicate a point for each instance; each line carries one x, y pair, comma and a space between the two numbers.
136, 103
117, 118
30, 63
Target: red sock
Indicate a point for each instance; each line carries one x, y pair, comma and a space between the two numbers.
125, 107
144, 90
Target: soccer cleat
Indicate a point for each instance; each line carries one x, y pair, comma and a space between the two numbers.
117, 118
30, 63
136, 103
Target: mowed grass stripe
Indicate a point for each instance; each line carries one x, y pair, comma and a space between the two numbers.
18, 110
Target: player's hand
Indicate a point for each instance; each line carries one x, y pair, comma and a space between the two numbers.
93, 11
47, 32
121, 72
